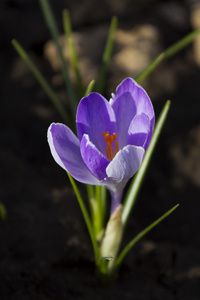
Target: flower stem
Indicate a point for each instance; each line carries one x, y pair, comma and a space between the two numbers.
103, 205
116, 198
99, 209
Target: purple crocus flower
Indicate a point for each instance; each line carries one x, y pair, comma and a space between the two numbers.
112, 138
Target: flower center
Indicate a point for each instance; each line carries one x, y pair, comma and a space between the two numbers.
109, 139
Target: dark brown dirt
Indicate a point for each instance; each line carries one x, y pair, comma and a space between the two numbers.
45, 252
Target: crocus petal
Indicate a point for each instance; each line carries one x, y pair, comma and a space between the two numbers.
138, 131
125, 164
140, 97
125, 109
95, 161
65, 149
94, 117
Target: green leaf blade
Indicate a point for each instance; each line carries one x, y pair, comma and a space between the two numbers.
139, 236
72, 51
43, 82
87, 220
107, 55
51, 23
3, 213
167, 54
135, 186
89, 88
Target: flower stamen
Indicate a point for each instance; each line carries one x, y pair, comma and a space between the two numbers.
109, 139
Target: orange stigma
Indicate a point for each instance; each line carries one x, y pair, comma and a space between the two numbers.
109, 139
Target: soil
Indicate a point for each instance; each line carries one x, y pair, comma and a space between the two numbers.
45, 252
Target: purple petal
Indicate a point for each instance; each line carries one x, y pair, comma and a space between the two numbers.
93, 158
65, 149
140, 97
94, 117
125, 110
125, 164
138, 131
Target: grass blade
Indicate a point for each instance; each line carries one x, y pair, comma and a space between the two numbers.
107, 55
3, 213
167, 54
42, 81
86, 218
139, 236
46, 9
89, 88
72, 51
138, 179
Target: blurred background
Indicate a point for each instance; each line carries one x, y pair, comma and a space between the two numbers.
45, 251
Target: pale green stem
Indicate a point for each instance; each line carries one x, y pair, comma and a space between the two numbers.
96, 196
49, 17
90, 191
107, 55
167, 54
103, 204
92, 204
42, 81
98, 215
91, 198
